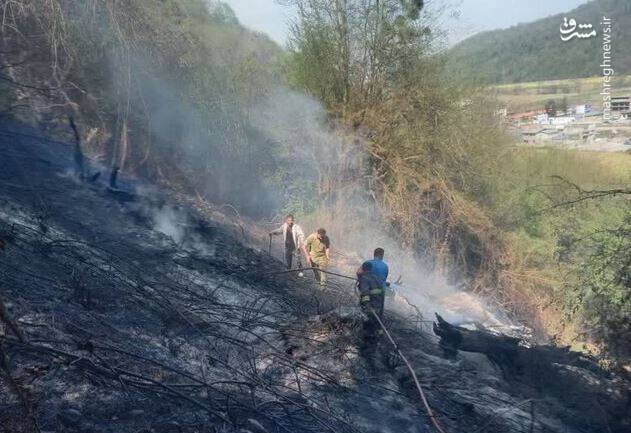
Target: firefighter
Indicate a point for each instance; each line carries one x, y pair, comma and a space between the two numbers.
318, 247
380, 268
293, 240
371, 299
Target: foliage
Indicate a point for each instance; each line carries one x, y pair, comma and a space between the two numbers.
535, 51
603, 292
432, 143
345, 52
454, 188
579, 249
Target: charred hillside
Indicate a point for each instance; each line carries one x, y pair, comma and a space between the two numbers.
144, 303
177, 92
112, 326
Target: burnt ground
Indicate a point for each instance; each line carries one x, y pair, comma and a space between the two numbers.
132, 321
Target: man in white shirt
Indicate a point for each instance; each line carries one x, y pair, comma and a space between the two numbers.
293, 240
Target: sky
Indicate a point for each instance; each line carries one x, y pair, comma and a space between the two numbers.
269, 17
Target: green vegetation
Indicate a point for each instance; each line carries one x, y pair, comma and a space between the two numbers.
602, 297
455, 189
535, 52
347, 53
572, 248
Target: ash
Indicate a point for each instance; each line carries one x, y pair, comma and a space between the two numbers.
135, 313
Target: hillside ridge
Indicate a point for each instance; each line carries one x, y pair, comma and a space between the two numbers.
534, 51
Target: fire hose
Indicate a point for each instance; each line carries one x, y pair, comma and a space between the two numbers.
419, 388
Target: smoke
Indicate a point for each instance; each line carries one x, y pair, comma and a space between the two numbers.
169, 222
271, 154
307, 164
211, 145
332, 165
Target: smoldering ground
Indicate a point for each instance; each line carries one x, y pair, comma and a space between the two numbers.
127, 332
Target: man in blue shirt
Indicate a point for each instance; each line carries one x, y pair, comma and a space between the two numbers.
379, 267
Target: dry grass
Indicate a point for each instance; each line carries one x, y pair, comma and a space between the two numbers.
584, 167
533, 95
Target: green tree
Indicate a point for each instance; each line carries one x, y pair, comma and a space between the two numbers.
551, 107
604, 290
347, 52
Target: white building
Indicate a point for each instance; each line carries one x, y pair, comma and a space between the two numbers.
583, 110
542, 119
562, 120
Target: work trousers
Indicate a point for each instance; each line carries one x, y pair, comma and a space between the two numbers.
372, 328
318, 266
289, 257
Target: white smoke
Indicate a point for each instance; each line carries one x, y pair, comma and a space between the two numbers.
170, 222
332, 157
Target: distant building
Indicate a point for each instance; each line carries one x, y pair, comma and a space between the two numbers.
620, 104
583, 110
526, 116
562, 120
538, 135
542, 119
593, 113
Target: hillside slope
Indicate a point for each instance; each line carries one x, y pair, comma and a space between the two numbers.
534, 51
160, 89
125, 330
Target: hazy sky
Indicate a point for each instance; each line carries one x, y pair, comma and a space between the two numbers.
475, 15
